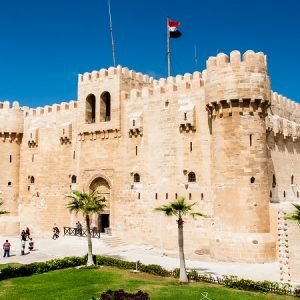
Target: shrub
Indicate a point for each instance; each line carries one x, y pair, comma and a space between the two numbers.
41, 267
122, 295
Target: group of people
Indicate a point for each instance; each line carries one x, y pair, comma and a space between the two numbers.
25, 236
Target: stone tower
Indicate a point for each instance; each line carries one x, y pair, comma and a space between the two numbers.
237, 94
11, 120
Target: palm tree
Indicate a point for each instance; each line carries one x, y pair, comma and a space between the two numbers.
180, 208
295, 215
87, 204
2, 212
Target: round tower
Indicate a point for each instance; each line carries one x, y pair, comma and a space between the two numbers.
11, 131
237, 93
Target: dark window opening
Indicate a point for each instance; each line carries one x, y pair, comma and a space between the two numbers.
185, 116
274, 181
250, 140
28, 188
190, 196
90, 110
167, 196
176, 196
74, 155
139, 195
63, 131
10, 158
37, 194
133, 122
136, 150
32, 158
155, 196
74, 179
252, 179
292, 179
297, 194
284, 194
191, 177
32, 180
270, 194
191, 146
9, 183
105, 104
137, 177
202, 196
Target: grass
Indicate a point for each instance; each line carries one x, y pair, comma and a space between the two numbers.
85, 283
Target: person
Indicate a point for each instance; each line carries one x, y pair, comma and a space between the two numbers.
27, 232
23, 235
6, 248
55, 232
31, 244
79, 228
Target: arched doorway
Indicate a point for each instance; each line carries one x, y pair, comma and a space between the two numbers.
102, 221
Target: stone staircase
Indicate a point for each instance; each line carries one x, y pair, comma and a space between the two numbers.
112, 241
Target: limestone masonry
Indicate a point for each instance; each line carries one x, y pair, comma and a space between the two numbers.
220, 138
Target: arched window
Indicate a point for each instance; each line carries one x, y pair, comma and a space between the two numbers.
137, 177
252, 179
90, 109
74, 179
191, 177
274, 181
105, 107
292, 179
32, 180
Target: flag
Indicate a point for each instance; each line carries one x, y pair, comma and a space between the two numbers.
173, 30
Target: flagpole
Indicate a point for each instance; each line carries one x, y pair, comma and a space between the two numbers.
196, 59
168, 49
111, 35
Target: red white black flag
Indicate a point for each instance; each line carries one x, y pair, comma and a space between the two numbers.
173, 29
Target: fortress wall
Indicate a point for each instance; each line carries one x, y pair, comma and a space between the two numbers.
285, 108
284, 162
163, 161
47, 153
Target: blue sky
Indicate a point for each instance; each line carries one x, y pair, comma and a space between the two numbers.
45, 44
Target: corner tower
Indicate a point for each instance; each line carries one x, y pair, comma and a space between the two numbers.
237, 93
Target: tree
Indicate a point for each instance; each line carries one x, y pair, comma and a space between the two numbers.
2, 212
180, 208
87, 204
295, 215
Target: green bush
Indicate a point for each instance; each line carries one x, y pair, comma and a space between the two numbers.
41, 267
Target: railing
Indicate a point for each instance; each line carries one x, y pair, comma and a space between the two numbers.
81, 232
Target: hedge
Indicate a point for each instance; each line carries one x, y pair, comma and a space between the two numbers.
73, 261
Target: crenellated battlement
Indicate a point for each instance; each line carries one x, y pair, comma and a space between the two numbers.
284, 107
111, 72
249, 59
10, 105
55, 108
237, 80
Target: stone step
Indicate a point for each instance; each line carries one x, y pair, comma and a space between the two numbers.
113, 241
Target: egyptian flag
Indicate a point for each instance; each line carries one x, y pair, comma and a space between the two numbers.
173, 29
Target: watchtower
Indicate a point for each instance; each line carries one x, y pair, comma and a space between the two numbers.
237, 93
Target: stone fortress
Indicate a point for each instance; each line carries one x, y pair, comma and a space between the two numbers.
220, 138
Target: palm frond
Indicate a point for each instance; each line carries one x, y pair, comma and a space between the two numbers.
295, 215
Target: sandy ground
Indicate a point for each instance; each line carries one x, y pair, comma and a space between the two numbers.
46, 249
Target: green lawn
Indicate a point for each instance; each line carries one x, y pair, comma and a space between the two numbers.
84, 283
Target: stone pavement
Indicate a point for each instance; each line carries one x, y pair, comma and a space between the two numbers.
46, 249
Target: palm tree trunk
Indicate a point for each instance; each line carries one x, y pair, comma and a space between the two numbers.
90, 261
183, 276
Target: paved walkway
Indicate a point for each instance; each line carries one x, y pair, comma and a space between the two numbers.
46, 249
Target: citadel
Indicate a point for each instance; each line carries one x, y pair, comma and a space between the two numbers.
220, 138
